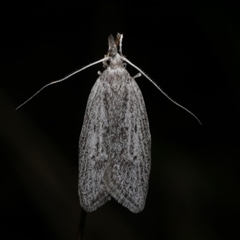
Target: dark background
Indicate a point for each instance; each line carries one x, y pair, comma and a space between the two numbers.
191, 49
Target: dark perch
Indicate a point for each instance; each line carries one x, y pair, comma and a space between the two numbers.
81, 225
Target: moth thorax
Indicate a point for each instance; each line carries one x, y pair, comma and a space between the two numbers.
116, 62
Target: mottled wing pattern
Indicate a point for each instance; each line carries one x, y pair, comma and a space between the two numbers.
127, 173
115, 144
93, 150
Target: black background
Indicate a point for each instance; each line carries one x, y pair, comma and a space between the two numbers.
191, 49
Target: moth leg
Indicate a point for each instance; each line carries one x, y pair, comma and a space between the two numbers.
137, 75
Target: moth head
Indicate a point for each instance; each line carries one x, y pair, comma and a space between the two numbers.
112, 47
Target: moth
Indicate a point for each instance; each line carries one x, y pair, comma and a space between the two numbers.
115, 140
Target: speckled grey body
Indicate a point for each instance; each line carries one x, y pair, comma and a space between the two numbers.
115, 142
